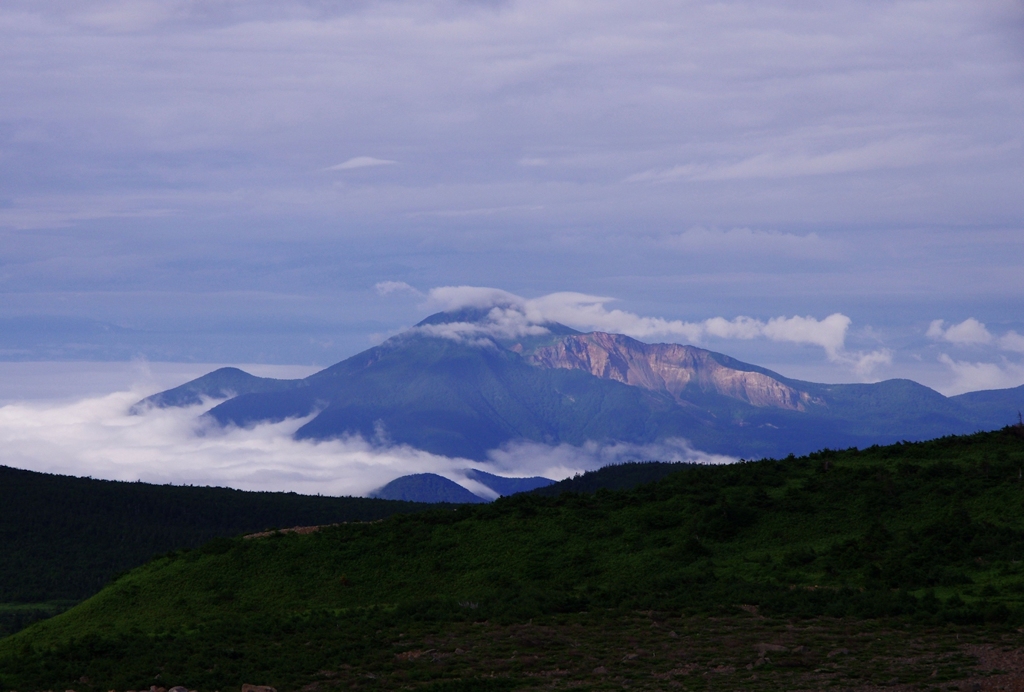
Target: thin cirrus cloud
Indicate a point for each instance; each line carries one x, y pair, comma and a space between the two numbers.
879, 140
743, 93
361, 162
743, 239
385, 288
510, 315
873, 156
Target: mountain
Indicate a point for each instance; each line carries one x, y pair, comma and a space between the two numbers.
625, 476
467, 382
505, 486
426, 487
993, 404
430, 487
223, 383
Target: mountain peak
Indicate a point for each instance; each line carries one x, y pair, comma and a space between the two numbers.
469, 315
507, 325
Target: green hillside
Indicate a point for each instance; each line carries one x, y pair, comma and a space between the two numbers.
63, 538
624, 476
926, 536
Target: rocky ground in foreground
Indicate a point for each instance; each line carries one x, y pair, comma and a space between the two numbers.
656, 651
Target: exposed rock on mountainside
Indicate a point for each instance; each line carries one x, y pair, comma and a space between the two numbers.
670, 368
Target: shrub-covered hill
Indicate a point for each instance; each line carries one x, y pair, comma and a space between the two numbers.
63, 538
624, 476
929, 532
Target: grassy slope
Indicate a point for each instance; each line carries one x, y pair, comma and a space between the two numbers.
63, 538
930, 532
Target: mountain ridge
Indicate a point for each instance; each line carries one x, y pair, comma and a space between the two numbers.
468, 382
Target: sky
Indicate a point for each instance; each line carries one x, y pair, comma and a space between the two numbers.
834, 191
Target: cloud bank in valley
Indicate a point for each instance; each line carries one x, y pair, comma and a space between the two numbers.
97, 437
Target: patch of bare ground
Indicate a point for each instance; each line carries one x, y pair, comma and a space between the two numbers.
665, 651
661, 651
301, 530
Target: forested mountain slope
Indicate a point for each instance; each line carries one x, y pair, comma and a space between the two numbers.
63, 538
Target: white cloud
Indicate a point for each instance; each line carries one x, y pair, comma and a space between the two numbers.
589, 313
749, 240
892, 153
935, 329
498, 326
562, 461
1012, 341
970, 377
504, 321
968, 332
97, 437
360, 162
455, 297
829, 333
864, 364
384, 288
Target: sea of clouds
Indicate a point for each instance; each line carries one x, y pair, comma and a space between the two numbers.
73, 418
96, 436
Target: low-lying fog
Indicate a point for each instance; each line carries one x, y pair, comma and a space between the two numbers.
59, 422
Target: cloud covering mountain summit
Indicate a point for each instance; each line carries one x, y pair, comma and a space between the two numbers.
508, 314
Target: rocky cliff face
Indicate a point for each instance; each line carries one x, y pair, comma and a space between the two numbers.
666, 368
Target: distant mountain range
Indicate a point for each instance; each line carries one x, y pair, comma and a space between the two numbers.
464, 383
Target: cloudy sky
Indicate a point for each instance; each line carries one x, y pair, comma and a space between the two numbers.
832, 190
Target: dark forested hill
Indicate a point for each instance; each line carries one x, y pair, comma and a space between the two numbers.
614, 477
62, 538
929, 533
